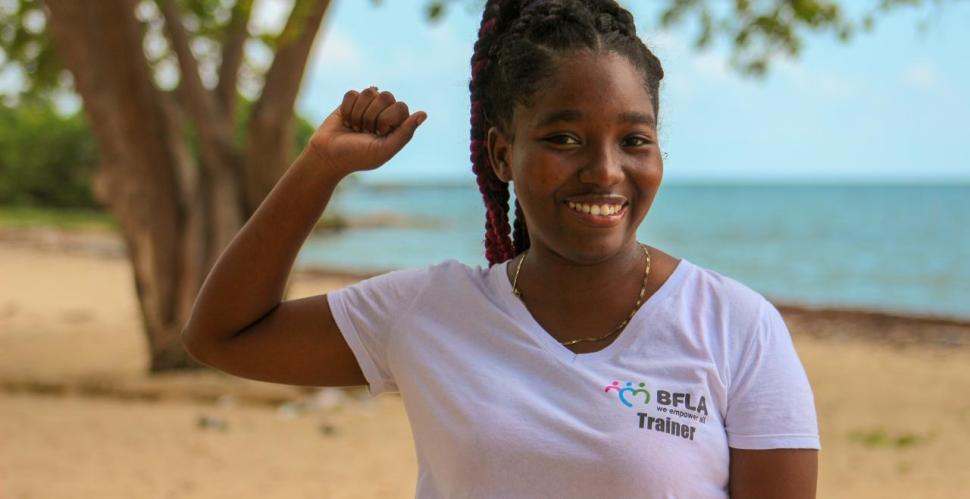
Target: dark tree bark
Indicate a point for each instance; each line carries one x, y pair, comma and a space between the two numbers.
177, 212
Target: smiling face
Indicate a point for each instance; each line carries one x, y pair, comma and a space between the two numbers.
583, 157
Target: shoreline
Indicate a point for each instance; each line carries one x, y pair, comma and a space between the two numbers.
107, 244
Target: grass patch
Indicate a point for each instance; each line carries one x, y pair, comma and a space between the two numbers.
882, 439
25, 217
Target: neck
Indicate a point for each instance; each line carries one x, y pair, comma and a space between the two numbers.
550, 278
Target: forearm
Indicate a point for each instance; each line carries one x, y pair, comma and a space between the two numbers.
249, 278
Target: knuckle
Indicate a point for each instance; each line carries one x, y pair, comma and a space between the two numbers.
386, 97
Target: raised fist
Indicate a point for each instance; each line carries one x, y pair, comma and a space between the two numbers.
367, 130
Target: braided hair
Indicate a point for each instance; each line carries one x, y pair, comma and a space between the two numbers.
518, 43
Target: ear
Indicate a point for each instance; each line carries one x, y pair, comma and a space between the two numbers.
499, 153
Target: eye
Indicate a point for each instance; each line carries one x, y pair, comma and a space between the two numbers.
637, 141
562, 139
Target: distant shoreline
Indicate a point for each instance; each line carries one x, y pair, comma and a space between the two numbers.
469, 183
107, 244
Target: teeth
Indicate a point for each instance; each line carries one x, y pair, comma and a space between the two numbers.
594, 209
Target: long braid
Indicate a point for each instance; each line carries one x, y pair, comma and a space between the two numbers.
495, 193
518, 44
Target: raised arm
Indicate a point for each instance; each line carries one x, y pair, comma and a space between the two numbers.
238, 323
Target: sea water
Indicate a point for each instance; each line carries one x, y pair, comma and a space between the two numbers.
903, 248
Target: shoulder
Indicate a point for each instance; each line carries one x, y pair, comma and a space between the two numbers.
443, 269
751, 324
742, 319
401, 290
725, 297
449, 273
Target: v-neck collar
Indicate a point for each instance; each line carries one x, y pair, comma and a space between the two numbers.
499, 282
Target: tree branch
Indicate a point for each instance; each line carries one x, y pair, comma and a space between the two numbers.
270, 136
237, 32
285, 74
222, 165
201, 106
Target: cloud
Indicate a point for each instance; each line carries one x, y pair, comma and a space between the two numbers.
820, 82
921, 75
711, 65
337, 49
688, 72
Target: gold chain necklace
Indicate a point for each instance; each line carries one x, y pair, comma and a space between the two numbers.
636, 306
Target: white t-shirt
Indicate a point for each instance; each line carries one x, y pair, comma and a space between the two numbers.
499, 408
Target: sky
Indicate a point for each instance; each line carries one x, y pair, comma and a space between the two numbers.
890, 106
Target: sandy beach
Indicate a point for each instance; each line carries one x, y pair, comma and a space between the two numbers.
79, 416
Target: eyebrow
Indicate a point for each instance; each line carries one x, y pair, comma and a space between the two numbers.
570, 115
638, 119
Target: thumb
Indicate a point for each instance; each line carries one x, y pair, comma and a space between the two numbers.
401, 135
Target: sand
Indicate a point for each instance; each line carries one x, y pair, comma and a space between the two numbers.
79, 417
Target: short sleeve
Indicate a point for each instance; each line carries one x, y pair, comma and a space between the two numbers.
770, 401
366, 313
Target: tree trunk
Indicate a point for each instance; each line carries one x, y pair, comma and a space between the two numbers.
176, 212
100, 43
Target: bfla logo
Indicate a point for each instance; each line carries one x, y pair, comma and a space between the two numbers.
622, 393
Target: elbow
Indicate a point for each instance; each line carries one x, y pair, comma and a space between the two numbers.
204, 346
195, 346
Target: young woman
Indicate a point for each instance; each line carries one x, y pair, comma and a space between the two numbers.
580, 362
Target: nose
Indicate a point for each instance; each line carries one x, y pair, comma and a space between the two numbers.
603, 166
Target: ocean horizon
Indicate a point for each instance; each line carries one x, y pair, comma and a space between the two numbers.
890, 247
